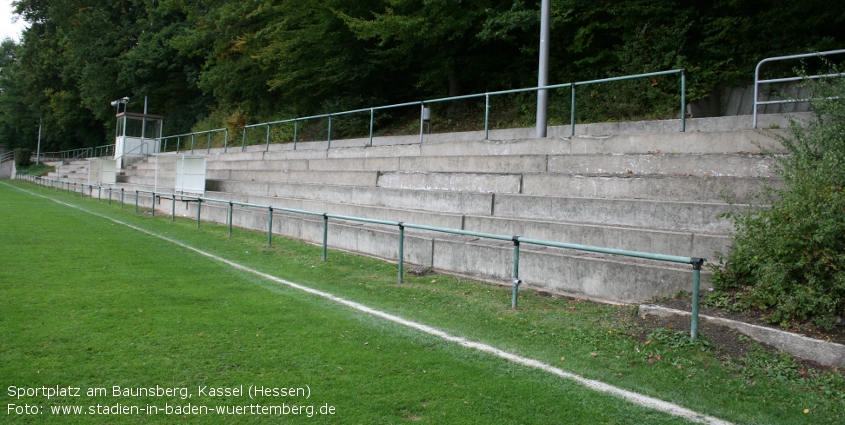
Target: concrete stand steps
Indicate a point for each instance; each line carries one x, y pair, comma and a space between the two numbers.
669, 215
738, 142
620, 237
625, 186
634, 186
608, 278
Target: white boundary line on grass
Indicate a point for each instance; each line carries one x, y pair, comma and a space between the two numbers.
630, 396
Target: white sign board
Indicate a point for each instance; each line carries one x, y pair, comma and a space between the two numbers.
102, 171
180, 174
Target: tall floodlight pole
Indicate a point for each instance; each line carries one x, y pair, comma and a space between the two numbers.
38, 149
543, 74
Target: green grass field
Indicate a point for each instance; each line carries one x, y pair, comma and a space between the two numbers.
88, 303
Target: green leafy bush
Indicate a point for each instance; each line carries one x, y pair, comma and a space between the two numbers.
788, 257
22, 156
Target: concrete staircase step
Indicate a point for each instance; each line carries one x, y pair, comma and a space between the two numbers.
260, 165
629, 238
346, 178
655, 187
462, 182
667, 215
693, 244
672, 143
635, 186
704, 165
440, 201
646, 214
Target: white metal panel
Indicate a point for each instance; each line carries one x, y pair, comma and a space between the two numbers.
108, 174
102, 171
180, 174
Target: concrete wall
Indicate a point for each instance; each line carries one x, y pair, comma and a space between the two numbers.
7, 169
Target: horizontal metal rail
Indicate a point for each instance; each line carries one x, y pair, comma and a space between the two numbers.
516, 240
422, 104
758, 81
179, 137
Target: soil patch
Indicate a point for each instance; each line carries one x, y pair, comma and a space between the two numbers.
837, 334
727, 342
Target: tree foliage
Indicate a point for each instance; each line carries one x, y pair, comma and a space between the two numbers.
270, 59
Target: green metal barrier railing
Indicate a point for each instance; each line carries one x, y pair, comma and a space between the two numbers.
516, 241
193, 135
80, 153
401, 226
422, 104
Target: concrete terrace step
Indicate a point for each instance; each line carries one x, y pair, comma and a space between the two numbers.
346, 178
706, 165
666, 215
634, 186
441, 201
656, 187
738, 165
564, 271
258, 165
629, 238
644, 143
733, 124
463, 182
647, 214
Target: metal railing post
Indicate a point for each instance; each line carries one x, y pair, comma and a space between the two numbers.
267, 142
121, 198
486, 116
696, 287
372, 119
208, 145
422, 120
154, 205
516, 281
136, 200
173, 208
325, 234
109, 195
199, 211
99, 193
329, 146
401, 249
178, 142
270, 228
229, 219
243, 143
572, 113
192, 144
226, 141
683, 101
295, 132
